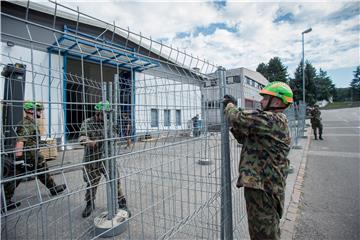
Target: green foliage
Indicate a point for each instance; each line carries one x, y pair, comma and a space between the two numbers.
310, 86
277, 71
274, 70
342, 94
318, 86
324, 88
262, 68
355, 85
345, 104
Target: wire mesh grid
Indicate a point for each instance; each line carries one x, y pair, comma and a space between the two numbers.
160, 142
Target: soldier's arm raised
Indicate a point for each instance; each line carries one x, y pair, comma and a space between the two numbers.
255, 121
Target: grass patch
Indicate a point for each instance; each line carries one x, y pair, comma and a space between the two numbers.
337, 105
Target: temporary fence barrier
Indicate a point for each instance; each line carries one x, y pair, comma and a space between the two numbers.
177, 169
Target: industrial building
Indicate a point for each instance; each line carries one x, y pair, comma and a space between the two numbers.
64, 59
244, 84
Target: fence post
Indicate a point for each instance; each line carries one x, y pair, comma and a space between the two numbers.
226, 206
297, 123
303, 115
114, 119
112, 222
107, 132
112, 168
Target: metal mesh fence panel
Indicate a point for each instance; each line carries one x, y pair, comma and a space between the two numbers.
124, 117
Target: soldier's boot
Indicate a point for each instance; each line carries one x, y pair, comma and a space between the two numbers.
90, 206
123, 206
57, 189
10, 205
320, 135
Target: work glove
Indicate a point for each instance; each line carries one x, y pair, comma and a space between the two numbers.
229, 99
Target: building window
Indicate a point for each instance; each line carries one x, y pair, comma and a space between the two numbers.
248, 81
237, 79
178, 117
167, 118
154, 117
217, 104
230, 80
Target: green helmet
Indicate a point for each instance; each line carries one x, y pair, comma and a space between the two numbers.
280, 90
100, 106
31, 105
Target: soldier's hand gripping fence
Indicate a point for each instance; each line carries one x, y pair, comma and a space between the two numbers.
177, 174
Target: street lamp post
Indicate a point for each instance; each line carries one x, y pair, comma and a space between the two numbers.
303, 62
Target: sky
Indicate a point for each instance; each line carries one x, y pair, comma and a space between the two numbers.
245, 33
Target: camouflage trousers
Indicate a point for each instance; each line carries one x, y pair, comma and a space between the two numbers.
316, 125
41, 166
92, 175
264, 211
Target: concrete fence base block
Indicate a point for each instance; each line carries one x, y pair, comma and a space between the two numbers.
297, 147
113, 227
204, 161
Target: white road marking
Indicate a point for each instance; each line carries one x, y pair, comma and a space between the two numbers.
341, 127
335, 154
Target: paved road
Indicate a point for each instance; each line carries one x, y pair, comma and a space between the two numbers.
329, 208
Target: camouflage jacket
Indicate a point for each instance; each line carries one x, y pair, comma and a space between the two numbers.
315, 115
93, 130
266, 144
28, 132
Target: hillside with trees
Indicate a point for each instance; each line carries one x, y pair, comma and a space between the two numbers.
318, 84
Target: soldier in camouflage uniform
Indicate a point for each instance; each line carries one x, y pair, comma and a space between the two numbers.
92, 136
27, 149
315, 118
263, 165
126, 128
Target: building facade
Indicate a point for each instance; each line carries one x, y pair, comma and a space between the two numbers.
68, 58
242, 83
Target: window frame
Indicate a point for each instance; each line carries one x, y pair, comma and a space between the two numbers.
154, 122
167, 118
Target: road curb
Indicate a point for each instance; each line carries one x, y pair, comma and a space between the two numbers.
292, 212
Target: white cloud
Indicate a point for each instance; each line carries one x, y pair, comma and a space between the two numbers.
257, 38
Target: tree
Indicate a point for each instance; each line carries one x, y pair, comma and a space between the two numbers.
355, 85
262, 68
342, 94
310, 88
274, 70
324, 88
